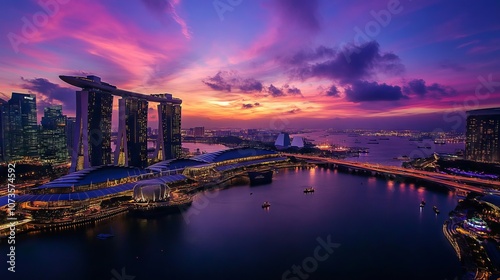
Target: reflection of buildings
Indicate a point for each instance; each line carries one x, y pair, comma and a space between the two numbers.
52, 136
20, 129
482, 135
92, 139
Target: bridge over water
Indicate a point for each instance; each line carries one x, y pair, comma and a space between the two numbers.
457, 183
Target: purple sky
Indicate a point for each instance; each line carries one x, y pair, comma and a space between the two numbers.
265, 63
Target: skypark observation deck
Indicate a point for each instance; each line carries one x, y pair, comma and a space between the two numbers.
89, 187
95, 82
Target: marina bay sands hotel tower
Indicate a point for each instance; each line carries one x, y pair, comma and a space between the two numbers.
92, 137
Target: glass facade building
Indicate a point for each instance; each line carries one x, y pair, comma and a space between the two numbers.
20, 129
52, 136
482, 135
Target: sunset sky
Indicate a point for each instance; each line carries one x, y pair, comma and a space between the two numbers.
265, 63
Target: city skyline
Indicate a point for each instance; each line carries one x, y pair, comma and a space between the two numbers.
265, 64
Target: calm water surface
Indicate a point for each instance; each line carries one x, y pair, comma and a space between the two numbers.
226, 234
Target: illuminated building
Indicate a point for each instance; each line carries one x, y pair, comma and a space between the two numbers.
169, 131
482, 135
199, 131
131, 149
20, 127
52, 136
70, 132
92, 138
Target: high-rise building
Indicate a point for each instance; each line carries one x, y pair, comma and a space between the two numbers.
199, 131
482, 135
132, 149
169, 131
93, 125
93, 122
20, 127
70, 133
52, 136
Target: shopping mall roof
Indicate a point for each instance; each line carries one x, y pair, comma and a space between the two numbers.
249, 163
93, 175
90, 194
172, 164
232, 154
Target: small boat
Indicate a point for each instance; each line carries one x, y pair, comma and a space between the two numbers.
422, 202
422, 205
266, 204
309, 190
104, 236
435, 209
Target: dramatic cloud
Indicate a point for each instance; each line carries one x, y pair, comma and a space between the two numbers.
350, 64
291, 90
294, 111
227, 80
274, 91
52, 92
418, 87
362, 91
249, 105
332, 91
308, 55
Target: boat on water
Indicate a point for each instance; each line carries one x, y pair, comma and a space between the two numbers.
266, 204
309, 190
422, 205
422, 202
435, 209
440, 141
103, 236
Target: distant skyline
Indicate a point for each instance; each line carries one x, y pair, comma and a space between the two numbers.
271, 64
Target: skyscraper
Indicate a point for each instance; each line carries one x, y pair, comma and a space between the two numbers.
132, 149
169, 136
52, 136
199, 131
20, 127
93, 123
482, 135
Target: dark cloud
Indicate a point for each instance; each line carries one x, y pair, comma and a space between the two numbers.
418, 87
332, 91
299, 13
52, 92
249, 105
217, 82
274, 91
352, 63
291, 90
308, 55
228, 80
362, 91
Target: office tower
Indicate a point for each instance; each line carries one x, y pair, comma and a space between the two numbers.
20, 127
52, 136
70, 133
199, 131
92, 139
482, 135
3, 105
132, 149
